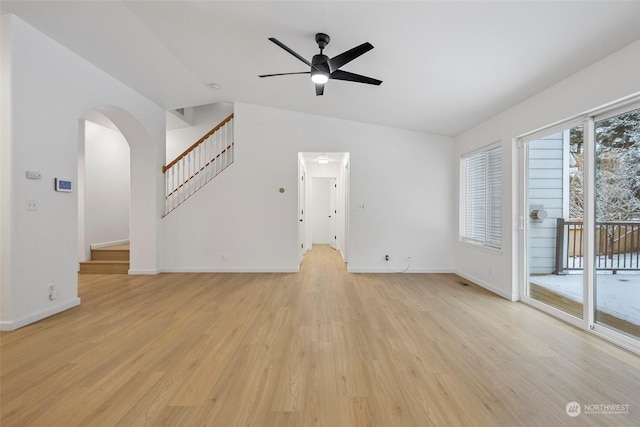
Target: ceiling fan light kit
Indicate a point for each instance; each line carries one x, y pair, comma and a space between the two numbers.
319, 77
323, 68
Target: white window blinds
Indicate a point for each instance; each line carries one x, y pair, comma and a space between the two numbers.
481, 198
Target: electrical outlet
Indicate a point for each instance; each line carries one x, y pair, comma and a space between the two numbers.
32, 205
52, 292
223, 258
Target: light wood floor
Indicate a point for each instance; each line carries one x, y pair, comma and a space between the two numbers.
321, 347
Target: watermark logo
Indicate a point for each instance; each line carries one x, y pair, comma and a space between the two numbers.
606, 408
573, 409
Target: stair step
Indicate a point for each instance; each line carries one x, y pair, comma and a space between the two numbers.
104, 267
111, 253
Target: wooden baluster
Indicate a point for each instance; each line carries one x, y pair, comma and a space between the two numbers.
166, 193
199, 164
180, 180
224, 148
231, 138
173, 187
218, 154
207, 156
191, 171
183, 167
178, 167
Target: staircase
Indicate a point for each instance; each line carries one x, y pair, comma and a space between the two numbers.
198, 164
107, 260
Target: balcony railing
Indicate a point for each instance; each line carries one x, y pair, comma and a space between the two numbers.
617, 245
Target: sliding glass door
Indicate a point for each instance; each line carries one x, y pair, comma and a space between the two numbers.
580, 222
617, 222
554, 220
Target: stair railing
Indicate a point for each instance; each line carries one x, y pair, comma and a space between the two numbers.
198, 164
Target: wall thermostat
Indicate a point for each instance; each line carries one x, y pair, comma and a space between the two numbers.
63, 185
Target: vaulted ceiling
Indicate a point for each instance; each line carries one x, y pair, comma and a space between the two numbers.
445, 66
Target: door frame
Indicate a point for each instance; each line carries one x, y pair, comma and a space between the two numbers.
301, 210
341, 173
588, 120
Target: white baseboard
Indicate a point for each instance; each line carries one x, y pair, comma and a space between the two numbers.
6, 325
12, 325
105, 244
390, 271
231, 270
134, 272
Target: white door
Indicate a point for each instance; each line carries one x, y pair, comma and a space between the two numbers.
323, 211
333, 212
301, 218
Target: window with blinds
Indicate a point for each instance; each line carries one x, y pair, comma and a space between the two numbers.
481, 197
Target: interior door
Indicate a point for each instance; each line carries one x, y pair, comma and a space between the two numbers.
333, 212
321, 214
301, 216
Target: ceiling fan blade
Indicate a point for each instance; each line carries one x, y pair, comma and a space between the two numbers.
319, 89
288, 49
352, 77
348, 56
285, 74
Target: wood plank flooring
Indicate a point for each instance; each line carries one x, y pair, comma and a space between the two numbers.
317, 348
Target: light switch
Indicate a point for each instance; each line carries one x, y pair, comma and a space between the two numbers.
33, 175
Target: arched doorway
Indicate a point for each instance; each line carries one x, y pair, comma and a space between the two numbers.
144, 194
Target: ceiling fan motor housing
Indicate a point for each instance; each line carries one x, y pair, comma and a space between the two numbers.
320, 62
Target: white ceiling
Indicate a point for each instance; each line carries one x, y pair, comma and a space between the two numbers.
445, 66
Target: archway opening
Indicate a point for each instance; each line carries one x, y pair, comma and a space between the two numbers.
144, 182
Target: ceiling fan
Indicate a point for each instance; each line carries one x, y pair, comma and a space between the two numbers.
324, 68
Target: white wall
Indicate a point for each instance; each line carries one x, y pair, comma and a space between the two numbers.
6, 168
106, 185
612, 78
404, 179
205, 118
51, 88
